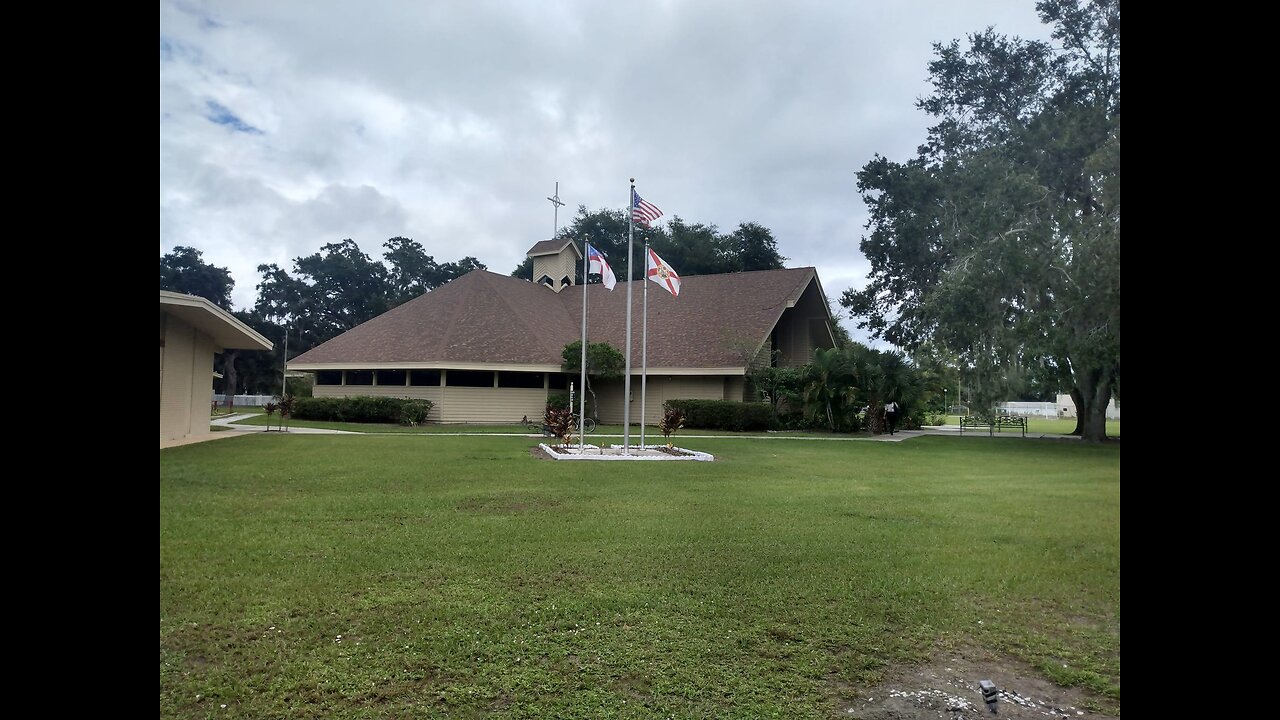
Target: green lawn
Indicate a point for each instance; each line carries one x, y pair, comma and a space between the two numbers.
400, 576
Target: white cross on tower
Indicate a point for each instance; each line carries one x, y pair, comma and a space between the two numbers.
555, 201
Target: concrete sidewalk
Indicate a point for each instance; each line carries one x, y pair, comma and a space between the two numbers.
234, 430
231, 420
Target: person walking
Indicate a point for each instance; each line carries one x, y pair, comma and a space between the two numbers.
891, 415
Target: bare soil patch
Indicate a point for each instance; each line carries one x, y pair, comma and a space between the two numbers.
947, 687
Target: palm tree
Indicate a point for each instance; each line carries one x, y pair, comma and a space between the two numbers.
829, 384
883, 377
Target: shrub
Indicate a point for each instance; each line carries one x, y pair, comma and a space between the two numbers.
560, 421
414, 412
287, 405
559, 401
300, 387
672, 420
363, 409
798, 420
723, 414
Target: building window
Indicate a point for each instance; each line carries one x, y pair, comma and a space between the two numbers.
329, 377
520, 380
391, 377
424, 378
559, 381
359, 377
546, 280
470, 378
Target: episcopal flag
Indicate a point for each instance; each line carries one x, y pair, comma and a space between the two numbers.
662, 274
643, 212
597, 264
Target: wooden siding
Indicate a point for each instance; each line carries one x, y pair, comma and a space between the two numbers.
555, 267
735, 389
456, 404
510, 405
801, 329
660, 389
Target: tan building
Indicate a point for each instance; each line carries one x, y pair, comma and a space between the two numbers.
487, 347
192, 329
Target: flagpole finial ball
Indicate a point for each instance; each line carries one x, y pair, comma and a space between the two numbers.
633, 179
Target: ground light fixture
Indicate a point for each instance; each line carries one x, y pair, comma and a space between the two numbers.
990, 694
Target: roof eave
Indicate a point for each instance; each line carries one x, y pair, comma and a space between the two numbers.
227, 331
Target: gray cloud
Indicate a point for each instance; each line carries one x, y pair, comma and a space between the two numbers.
287, 125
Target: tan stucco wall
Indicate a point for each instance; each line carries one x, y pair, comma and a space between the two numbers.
186, 379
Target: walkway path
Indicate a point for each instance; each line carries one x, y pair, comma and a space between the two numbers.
901, 435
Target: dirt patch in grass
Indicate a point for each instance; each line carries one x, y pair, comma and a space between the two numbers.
947, 687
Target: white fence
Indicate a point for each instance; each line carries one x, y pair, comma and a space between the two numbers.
1065, 407
1068, 407
1028, 409
244, 400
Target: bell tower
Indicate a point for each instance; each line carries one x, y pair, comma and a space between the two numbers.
555, 263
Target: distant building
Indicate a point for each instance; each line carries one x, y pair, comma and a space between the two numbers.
192, 329
1067, 407
487, 347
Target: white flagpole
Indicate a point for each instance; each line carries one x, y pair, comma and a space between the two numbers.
582, 396
626, 383
644, 343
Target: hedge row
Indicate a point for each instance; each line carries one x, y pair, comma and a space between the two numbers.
363, 409
723, 414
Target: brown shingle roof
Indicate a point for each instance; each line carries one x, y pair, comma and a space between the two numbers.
551, 247
483, 317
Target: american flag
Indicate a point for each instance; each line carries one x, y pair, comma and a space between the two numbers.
643, 212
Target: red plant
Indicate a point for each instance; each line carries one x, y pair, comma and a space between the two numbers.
672, 420
560, 422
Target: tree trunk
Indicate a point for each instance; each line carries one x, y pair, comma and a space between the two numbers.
229, 376
594, 400
874, 419
1078, 399
1094, 387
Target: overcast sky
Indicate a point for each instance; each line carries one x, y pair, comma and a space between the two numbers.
288, 125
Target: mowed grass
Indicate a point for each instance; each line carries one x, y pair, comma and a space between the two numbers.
399, 576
